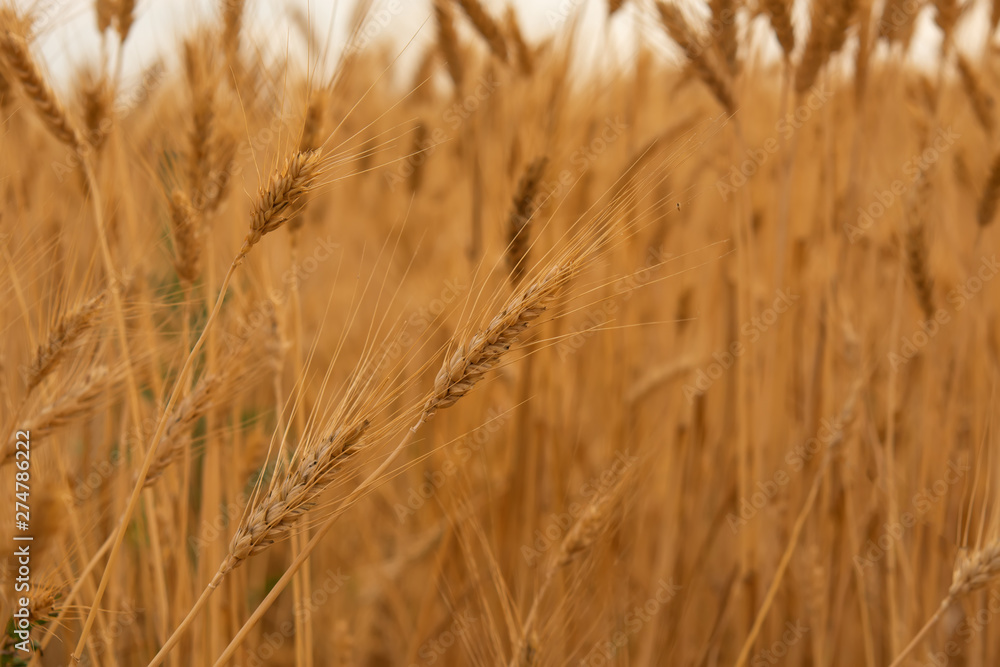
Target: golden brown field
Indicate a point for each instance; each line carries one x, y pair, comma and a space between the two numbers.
460, 352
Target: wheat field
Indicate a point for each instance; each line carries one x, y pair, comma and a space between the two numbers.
488, 349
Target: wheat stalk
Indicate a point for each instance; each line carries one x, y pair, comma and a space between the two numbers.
75, 403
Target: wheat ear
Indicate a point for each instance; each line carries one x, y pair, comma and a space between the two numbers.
486, 26
991, 192
704, 65
50, 110
68, 330
521, 212
447, 39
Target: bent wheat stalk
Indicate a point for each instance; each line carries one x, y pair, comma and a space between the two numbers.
272, 208
467, 365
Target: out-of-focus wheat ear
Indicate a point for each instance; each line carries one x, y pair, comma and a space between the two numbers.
184, 417
614, 6
518, 237
232, 22
584, 533
278, 201
525, 58
916, 247
897, 22
479, 353
420, 144
724, 27
126, 17
982, 103
991, 192
21, 64
704, 65
78, 401
946, 13
106, 11
275, 513
447, 40
186, 226
486, 26
781, 22
96, 99
202, 91
68, 331
312, 125
994, 18
4, 91
830, 20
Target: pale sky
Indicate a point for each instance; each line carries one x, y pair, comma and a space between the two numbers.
68, 33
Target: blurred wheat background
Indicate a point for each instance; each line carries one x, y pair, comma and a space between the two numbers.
498, 344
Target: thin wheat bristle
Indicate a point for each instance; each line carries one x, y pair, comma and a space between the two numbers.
486, 26
917, 250
524, 205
